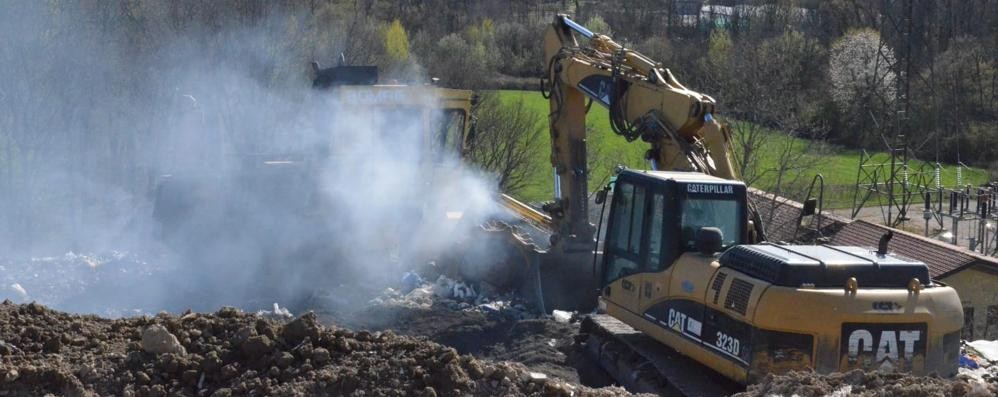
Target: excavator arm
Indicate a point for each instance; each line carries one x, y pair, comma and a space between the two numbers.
644, 100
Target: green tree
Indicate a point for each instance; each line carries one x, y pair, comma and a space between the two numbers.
396, 42
598, 25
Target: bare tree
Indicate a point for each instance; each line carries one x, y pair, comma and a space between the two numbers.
505, 141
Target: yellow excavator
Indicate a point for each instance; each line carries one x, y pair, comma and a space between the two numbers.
683, 263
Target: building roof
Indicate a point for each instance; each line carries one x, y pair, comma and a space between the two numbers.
941, 258
779, 217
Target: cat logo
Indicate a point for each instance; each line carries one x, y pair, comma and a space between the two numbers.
873, 346
889, 344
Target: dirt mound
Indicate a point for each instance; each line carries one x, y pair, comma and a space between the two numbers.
541, 344
859, 383
233, 353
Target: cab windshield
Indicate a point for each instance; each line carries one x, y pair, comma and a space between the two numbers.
722, 214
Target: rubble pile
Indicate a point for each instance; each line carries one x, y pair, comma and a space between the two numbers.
416, 293
860, 383
473, 319
234, 353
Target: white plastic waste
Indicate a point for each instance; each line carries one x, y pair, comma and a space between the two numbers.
463, 291
281, 311
561, 316
278, 312
988, 349
443, 287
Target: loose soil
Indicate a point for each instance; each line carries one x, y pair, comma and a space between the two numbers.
541, 344
859, 383
234, 353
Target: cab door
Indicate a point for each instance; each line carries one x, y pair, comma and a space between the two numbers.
625, 247
655, 274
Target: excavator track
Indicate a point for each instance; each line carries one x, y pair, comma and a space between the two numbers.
641, 364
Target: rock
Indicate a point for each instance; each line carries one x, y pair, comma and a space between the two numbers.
229, 371
304, 326
11, 375
168, 363
211, 363
6, 348
223, 392
475, 369
557, 389
285, 360
257, 346
52, 345
320, 356
448, 355
428, 392
157, 391
242, 335
228, 312
157, 340
36, 308
343, 345
189, 377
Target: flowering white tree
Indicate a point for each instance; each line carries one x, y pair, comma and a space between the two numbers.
859, 65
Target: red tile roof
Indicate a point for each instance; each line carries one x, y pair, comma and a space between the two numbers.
941, 258
779, 216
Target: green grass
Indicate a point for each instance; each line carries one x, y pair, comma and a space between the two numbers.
839, 166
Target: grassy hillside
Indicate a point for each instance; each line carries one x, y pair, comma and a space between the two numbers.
839, 166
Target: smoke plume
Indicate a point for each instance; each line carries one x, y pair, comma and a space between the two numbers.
272, 188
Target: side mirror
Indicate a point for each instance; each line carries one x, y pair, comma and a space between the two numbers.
601, 195
810, 207
709, 240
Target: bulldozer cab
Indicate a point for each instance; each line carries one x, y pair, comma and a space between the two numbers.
657, 216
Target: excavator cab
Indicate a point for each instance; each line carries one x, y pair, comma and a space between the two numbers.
656, 216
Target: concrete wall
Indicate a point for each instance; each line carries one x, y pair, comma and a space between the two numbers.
978, 289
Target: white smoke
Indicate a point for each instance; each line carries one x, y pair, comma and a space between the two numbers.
291, 189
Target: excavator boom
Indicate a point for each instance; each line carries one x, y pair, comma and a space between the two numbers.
644, 100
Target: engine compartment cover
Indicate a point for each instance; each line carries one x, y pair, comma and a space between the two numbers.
823, 266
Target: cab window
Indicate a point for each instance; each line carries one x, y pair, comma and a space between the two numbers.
627, 233
722, 214
655, 233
